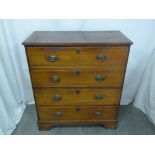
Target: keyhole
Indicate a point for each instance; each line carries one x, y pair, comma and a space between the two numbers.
77, 91
77, 109
77, 72
77, 50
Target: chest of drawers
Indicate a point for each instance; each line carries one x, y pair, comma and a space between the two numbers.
77, 77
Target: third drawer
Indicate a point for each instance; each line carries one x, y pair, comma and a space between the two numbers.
76, 96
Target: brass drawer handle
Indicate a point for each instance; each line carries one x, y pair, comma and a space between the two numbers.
58, 114
97, 113
101, 57
100, 78
55, 79
57, 97
52, 58
99, 97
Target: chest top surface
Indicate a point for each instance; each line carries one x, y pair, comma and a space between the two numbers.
76, 38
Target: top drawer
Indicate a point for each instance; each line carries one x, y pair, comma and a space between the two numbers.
113, 57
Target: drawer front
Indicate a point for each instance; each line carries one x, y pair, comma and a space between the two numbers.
55, 97
76, 78
72, 57
78, 113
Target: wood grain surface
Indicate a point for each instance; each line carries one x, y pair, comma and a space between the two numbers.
78, 113
69, 78
74, 38
46, 96
78, 57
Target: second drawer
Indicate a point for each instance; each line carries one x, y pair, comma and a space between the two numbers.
77, 78
54, 97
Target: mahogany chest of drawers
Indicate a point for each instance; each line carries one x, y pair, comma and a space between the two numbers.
77, 76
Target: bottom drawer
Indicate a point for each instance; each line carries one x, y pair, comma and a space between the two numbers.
78, 113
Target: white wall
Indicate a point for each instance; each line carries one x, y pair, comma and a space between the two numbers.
141, 32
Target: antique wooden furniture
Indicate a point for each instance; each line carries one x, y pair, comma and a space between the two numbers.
77, 77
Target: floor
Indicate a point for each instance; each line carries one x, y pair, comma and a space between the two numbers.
131, 121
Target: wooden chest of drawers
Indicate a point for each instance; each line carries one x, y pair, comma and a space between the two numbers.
77, 77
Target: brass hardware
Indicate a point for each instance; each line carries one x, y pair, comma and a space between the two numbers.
55, 79
100, 78
101, 58
52, 58
58, 114
57, 97
77, 50
77, 72
99, 97
97, 113
77, 91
